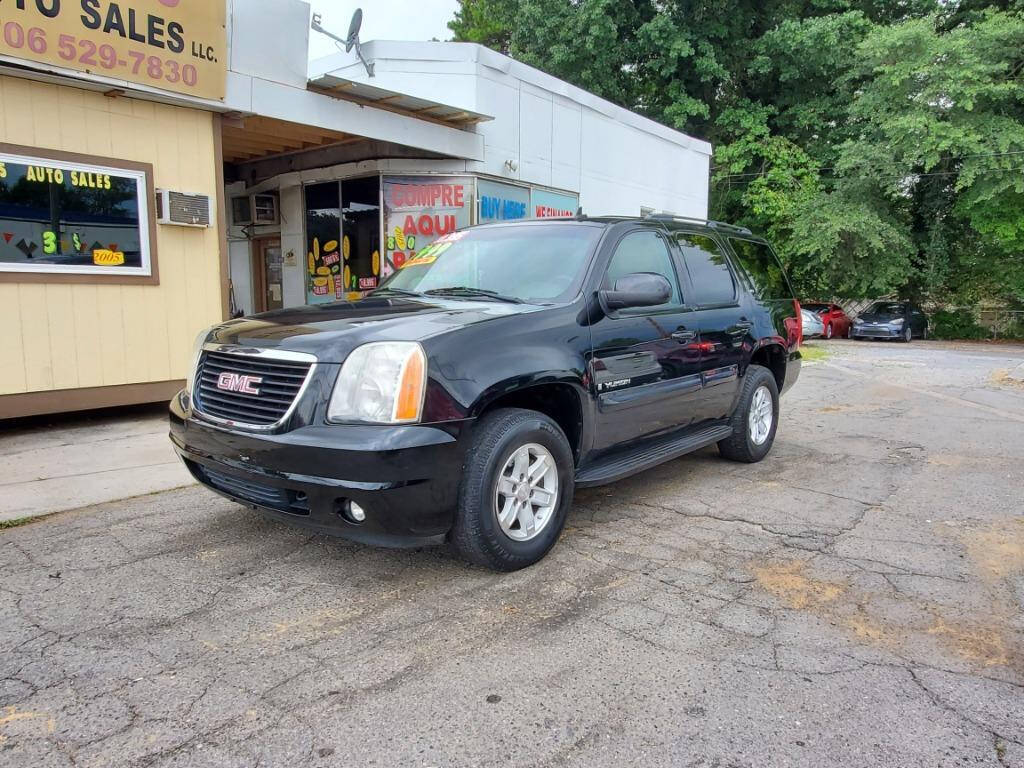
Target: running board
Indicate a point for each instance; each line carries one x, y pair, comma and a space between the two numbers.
623, 464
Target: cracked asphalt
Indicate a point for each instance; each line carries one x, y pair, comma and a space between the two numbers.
857, 599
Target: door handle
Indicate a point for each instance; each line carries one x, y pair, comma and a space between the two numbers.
682, 335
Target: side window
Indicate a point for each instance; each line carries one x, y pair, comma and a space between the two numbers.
643, 252
763, 269
708, 268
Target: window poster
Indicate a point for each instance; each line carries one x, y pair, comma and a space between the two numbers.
502, 202
342, 239
69, 218
325, 278
547, 205
418, 210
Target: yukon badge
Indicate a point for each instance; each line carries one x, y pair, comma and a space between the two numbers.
238, 382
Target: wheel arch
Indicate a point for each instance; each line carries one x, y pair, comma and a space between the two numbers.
773, 357
560, 399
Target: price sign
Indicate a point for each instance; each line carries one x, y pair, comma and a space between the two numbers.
174, 45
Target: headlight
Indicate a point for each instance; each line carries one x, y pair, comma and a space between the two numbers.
197, 350
897, 322
381, 383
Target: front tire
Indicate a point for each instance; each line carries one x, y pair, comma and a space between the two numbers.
908, 334
516, 490
828, 331
756, 418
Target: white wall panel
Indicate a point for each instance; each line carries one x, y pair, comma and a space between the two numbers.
535, 115
271, 51
566, 122
292, 239
240, 264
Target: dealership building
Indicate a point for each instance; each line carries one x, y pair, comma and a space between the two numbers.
166, 164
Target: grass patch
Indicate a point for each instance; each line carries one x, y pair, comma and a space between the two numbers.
15, 522
813, 354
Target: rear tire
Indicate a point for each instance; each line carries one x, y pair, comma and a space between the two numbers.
747, 443
477, 534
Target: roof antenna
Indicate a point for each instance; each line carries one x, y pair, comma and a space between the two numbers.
580, 216
350, 41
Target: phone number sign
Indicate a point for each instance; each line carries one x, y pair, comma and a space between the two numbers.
174, 45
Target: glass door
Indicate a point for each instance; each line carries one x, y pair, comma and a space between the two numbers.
269, 288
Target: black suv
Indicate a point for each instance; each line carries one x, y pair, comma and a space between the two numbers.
497, 370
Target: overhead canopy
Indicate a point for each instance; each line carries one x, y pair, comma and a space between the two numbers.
341, 87
250, 138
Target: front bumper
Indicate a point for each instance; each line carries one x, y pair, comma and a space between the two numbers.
877, 332
406, 477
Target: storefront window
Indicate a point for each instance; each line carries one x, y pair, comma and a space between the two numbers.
325, 269
360, 204
418, 211
71, 218
342, 239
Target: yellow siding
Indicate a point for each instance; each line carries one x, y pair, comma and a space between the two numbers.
65, 336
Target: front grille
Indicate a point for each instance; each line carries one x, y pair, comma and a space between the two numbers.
293, 502
280, 382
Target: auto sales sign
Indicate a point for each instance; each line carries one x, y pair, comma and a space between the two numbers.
174, 45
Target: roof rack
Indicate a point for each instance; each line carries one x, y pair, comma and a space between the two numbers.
706, 222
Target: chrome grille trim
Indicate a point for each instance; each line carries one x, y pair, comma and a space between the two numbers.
253, 355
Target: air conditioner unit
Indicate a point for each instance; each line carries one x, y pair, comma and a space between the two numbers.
264, 209
259, 209
181, 209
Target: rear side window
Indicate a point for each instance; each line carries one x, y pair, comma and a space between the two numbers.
643, 252
708, 268
763, 269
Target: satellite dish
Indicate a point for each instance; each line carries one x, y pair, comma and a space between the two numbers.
350, 42
353, 30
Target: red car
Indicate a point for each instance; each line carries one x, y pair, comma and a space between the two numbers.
835, 321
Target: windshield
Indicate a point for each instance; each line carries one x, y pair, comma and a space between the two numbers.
886, 308
527, 262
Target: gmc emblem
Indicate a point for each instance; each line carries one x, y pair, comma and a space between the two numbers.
238, 382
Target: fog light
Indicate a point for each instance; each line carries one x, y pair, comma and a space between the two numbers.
356, 512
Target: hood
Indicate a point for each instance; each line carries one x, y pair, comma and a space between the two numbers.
331, 331
879, 317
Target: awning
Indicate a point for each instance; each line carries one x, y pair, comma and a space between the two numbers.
250, 138
382, 98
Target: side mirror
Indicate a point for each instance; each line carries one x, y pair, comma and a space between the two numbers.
639, 289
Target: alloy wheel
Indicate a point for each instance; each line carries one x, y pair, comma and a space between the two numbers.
761, 415
526, 495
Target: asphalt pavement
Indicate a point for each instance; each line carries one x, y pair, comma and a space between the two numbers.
857, 599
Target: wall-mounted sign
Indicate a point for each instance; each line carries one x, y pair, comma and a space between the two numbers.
174, 45
547, 205
69, 218
418, 211
502, 202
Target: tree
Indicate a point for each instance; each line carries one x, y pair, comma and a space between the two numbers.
878, 143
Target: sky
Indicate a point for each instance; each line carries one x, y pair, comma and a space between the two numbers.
382, 20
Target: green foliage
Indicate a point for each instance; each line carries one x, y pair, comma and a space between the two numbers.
957, 324
879, 144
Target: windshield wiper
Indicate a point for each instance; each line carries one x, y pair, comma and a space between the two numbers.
395, 291
465, 290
